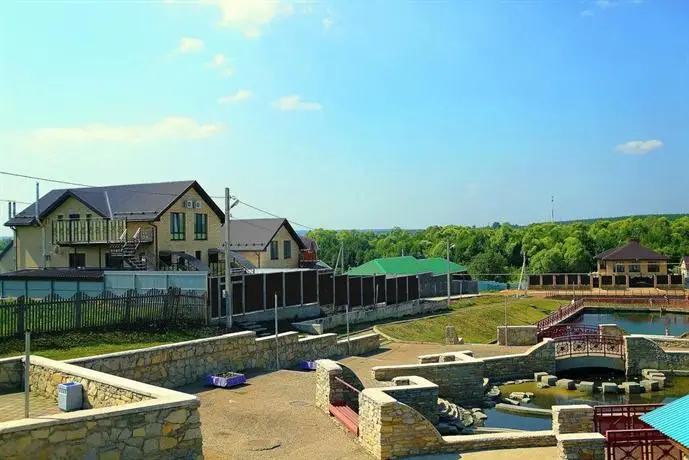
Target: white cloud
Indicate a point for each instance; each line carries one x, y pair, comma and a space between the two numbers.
327, 23
639, 147
219, 60
168, 128
586, 13
250, 17
294, 103
239, 96
605, 3
189, 45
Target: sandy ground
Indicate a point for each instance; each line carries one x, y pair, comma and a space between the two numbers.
274, 416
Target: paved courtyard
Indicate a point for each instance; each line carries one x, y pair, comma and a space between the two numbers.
274, 416
12, 406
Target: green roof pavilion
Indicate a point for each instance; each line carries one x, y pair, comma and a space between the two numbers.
405, 265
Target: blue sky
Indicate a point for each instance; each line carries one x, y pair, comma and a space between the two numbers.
356, 114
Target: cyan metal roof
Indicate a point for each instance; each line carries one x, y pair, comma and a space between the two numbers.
671, 420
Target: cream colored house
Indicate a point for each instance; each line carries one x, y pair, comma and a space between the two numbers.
632, 259
139, 226
684, 267
8, 260
266, 243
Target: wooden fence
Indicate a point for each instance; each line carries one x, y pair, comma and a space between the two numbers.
54, 313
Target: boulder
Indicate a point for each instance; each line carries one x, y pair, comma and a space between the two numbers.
513, 402
517, 395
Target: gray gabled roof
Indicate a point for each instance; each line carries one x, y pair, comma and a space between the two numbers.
256, 234
136, 202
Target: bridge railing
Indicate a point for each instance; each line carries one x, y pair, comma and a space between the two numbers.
621, 417
562, 313
563, 330
589, 344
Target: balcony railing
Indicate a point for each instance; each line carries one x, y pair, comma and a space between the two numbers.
94, 231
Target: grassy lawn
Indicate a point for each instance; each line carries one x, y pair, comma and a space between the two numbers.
76, 344
475, 319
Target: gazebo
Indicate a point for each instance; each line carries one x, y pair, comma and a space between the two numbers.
671, 420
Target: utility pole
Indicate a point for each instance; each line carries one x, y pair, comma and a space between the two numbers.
38, 220
228, 270
505, 320
449, 283
552, 208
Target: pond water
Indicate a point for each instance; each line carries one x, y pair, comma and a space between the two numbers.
635, 322
548, 397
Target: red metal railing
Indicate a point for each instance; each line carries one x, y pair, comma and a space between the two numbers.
620, 417
562, 313
589, 344
563, 330
347, 385
640, 444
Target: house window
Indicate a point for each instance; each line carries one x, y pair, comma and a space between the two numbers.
200, 226
634, 268
177, 225
287, 249
77, 260
112, 261
197, 254
619, 268
273, 250
653, 268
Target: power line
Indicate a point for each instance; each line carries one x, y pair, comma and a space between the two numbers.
63, 182
14, 201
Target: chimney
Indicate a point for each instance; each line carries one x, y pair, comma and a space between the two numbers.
9, 209
14, 209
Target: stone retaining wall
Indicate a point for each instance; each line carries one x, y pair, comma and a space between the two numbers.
459, 376
518, 335
539, 358
391, 429
577, 418
11, 374
371, 315
417, 393
672, 343
589, 446
181, 363
644, 353
165, 424
460, 381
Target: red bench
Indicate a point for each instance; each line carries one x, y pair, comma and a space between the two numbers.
347, 416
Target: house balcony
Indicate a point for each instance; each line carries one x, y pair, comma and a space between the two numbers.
68, 232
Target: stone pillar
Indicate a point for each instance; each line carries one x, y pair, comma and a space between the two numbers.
589, 446
328, 390
451, 336
577, 418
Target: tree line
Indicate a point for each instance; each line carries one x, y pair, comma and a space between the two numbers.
500, 248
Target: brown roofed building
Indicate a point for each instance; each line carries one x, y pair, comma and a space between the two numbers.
632, 259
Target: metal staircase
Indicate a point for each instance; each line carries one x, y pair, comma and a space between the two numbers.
126, 250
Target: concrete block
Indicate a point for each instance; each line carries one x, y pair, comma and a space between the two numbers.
609, 387
549, 379
537, 376
567, 384
650, 385
632, 388
586, 387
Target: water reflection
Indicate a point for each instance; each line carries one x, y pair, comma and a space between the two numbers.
635, 322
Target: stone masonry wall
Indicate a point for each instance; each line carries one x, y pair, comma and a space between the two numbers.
580, 446
518, 335
141, 432
391, 429
644, 353
539, 358
44, 381
178, 364
460, 381
11, 374
122, 419
577, 418
417, 393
